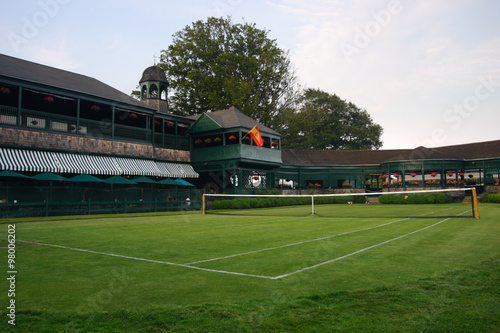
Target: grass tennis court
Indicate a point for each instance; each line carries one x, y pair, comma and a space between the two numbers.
126, 265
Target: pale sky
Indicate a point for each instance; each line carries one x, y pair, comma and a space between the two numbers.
427, 71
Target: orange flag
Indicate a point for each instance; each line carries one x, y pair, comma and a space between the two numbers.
255, 134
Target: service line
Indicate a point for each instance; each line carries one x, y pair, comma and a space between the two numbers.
245, 274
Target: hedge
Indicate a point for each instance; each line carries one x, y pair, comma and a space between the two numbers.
493, 198
424, 198
247, 203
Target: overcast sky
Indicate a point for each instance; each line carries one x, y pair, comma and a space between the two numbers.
427, 71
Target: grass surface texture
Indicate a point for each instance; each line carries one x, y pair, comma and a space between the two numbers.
373, 271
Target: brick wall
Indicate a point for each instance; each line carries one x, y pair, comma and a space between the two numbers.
60, 142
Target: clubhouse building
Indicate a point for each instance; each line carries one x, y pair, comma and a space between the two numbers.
58, 123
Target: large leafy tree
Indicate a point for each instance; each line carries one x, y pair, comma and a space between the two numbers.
216, 64
325, 121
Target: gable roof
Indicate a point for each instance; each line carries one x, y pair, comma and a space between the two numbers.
232, 117
40, 74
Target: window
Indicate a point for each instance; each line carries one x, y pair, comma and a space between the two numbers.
131, 118
153, 91
9, 95
49, 103
182, 129
95, 111
232, 138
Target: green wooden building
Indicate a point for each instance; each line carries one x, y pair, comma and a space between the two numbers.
69, 124
229, 161
227, 158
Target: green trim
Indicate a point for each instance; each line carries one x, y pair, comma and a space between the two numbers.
19, 106
204, 124
76, 95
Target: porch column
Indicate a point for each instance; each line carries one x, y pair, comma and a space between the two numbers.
19, 107
423, 173
403, 176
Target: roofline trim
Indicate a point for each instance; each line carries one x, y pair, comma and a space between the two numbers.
28, 84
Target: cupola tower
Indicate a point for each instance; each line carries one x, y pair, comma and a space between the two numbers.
154, 88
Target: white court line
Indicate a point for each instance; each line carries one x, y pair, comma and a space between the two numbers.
147, 260
356, 252
293, 244
236, 273
307, 241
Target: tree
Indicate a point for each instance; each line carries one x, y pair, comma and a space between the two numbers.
324, 121
216, 64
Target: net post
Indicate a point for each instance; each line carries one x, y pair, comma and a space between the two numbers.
475, 208
312, 200
203, 203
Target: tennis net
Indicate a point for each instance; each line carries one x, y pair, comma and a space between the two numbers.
460, 202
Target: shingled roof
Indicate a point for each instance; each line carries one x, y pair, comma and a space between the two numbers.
154, 73
480, 150
232, 117
336, 157
36, 73
420, 153
472, 151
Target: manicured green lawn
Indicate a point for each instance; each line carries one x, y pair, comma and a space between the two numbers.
189, 272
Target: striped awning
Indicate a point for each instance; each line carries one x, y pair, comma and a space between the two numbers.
44, 161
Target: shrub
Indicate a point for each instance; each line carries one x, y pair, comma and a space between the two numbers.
392, 199
423, 198
359, 199
246, 203
493, 198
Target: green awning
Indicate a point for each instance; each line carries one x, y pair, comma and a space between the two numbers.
9, 173
84, 178
49, 176
144, 180
119, 180
182, 182
168, 181
58, 162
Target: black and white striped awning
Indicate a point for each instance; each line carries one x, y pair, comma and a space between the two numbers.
44, 161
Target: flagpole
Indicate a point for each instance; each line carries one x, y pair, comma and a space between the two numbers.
253, 135
247, 133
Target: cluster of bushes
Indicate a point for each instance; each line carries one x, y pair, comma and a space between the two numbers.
493, 198
421, 198
247, 203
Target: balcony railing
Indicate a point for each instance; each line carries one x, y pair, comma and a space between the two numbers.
41, 121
